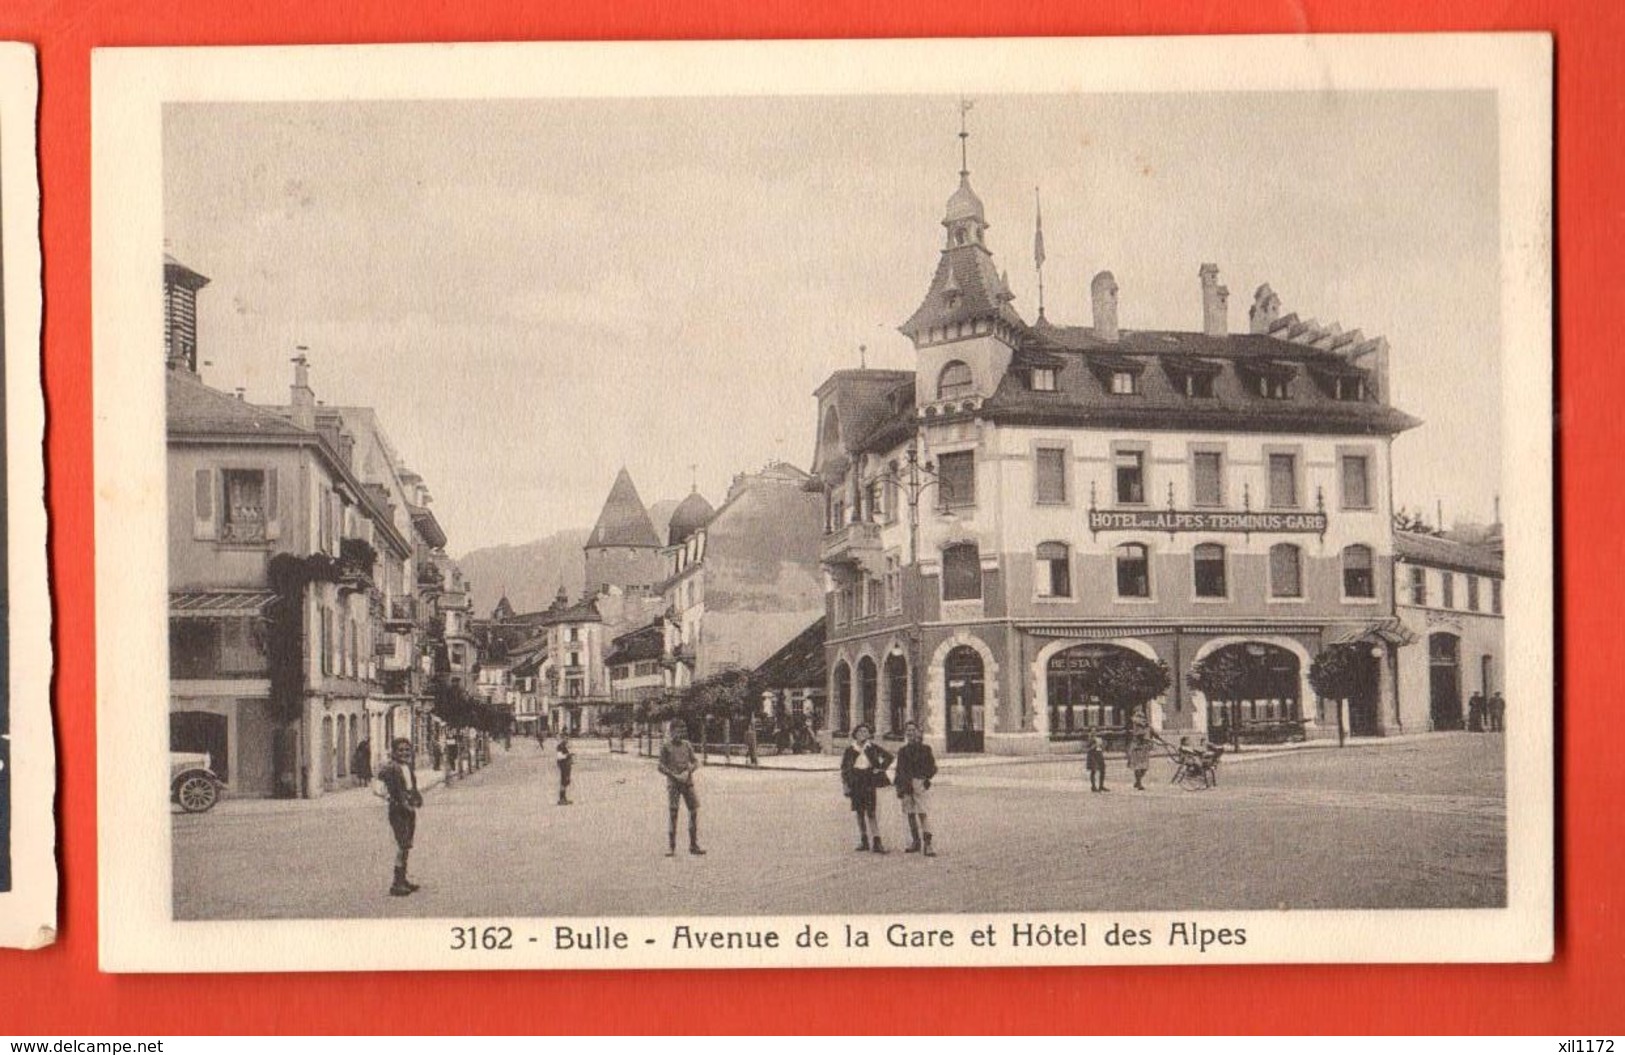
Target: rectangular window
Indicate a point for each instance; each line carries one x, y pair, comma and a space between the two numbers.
1210, 571
1495, 596
1284, 481
1272, 387
871, 597
956, 473
1356, 481
1133, 571
1472, 593
1129, 473
326, 640
1054, 573
1207, 478
894, 585
1286, 571
1051, 470
1419, 586
1448, 594
1124, 383
243, 516
877, 501
889, 496
1043, 379
962, 573
1359, 576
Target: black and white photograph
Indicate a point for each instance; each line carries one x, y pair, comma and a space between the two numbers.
976, 502
28, 877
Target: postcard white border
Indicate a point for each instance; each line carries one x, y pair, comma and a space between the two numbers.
28, 912
129, 87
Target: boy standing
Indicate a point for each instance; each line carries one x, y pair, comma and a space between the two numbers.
916, 766
679, 761
1095, 762
566, 761
397, 781
863, 769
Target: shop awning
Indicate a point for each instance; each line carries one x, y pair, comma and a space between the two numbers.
1389, 631
220, 604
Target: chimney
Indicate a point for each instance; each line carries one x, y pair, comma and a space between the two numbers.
1265, 310
1215, 303
1103, 291
301, 399
242, 393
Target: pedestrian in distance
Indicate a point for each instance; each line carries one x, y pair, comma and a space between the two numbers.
916, 768
451, 757
361, 762
397, 781
1498, 712
679, 762
750, 742
1139, 759
863, 770
1095, 762
566, 762
1475, 713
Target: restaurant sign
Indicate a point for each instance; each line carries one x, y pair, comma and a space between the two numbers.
1173, 520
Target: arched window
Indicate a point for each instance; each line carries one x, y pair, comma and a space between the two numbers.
962, 572
954, 381
868, 692
1210, 570
1133, 570
1286, 570
1358, 578
842, 679
1054, 573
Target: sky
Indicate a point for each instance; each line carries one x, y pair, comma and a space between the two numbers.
534, 293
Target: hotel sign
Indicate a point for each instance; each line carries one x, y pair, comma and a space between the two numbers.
1173, 520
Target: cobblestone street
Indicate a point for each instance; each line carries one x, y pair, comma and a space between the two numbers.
1410, 824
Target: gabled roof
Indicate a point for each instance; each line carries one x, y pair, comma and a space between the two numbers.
799, 663
638, 646
1439, 552
195, 409
624, 520
580, 612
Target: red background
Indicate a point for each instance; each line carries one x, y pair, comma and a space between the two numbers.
59, 990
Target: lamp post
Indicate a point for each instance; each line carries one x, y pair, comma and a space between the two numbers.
914, 481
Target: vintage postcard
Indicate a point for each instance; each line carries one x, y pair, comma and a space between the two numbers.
28, 880
822, 504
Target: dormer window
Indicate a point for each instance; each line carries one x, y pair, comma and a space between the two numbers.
1125, 383
1199, 386
1350, 389
955, 381
1272, 387
1043, 379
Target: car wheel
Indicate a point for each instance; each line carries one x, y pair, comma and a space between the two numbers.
197, 793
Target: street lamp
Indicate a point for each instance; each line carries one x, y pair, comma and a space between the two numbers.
914, 481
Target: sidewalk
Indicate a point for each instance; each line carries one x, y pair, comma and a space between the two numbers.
349, 796
828, 762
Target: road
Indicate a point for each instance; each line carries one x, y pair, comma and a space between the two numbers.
1414, 824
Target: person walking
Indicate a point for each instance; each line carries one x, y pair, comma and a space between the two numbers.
1498, 712
1475, 713
450, 754
750, 742
397, 781
1095, 762
361, 763
1139, 759
566, 762
863, 769
679, 762
916, 768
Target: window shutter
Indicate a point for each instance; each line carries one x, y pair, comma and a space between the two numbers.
273, 512
205, 488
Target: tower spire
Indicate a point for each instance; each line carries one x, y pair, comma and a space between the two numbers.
965, 106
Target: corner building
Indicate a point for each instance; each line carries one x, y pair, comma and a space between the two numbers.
1035, 496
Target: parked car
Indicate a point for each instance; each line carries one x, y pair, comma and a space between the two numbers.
193, 785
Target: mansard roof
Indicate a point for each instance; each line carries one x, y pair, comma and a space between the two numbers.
624, 520
966, 286
1439, 552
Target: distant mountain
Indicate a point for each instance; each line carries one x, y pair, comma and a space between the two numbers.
530, 573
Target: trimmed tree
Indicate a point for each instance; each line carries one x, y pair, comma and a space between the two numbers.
1221, 677
1129, 681
1335, 674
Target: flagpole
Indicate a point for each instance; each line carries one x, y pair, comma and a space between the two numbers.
1038, 249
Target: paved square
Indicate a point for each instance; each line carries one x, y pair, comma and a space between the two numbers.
1415, 823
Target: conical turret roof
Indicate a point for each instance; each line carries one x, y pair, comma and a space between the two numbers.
625, 520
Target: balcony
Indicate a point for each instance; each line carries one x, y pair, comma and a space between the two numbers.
356, 561
855, 545
399, 682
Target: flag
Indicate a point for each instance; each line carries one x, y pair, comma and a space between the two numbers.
1038, 234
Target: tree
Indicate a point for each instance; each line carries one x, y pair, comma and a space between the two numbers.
1335, 675
1130, 681
1222, 677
